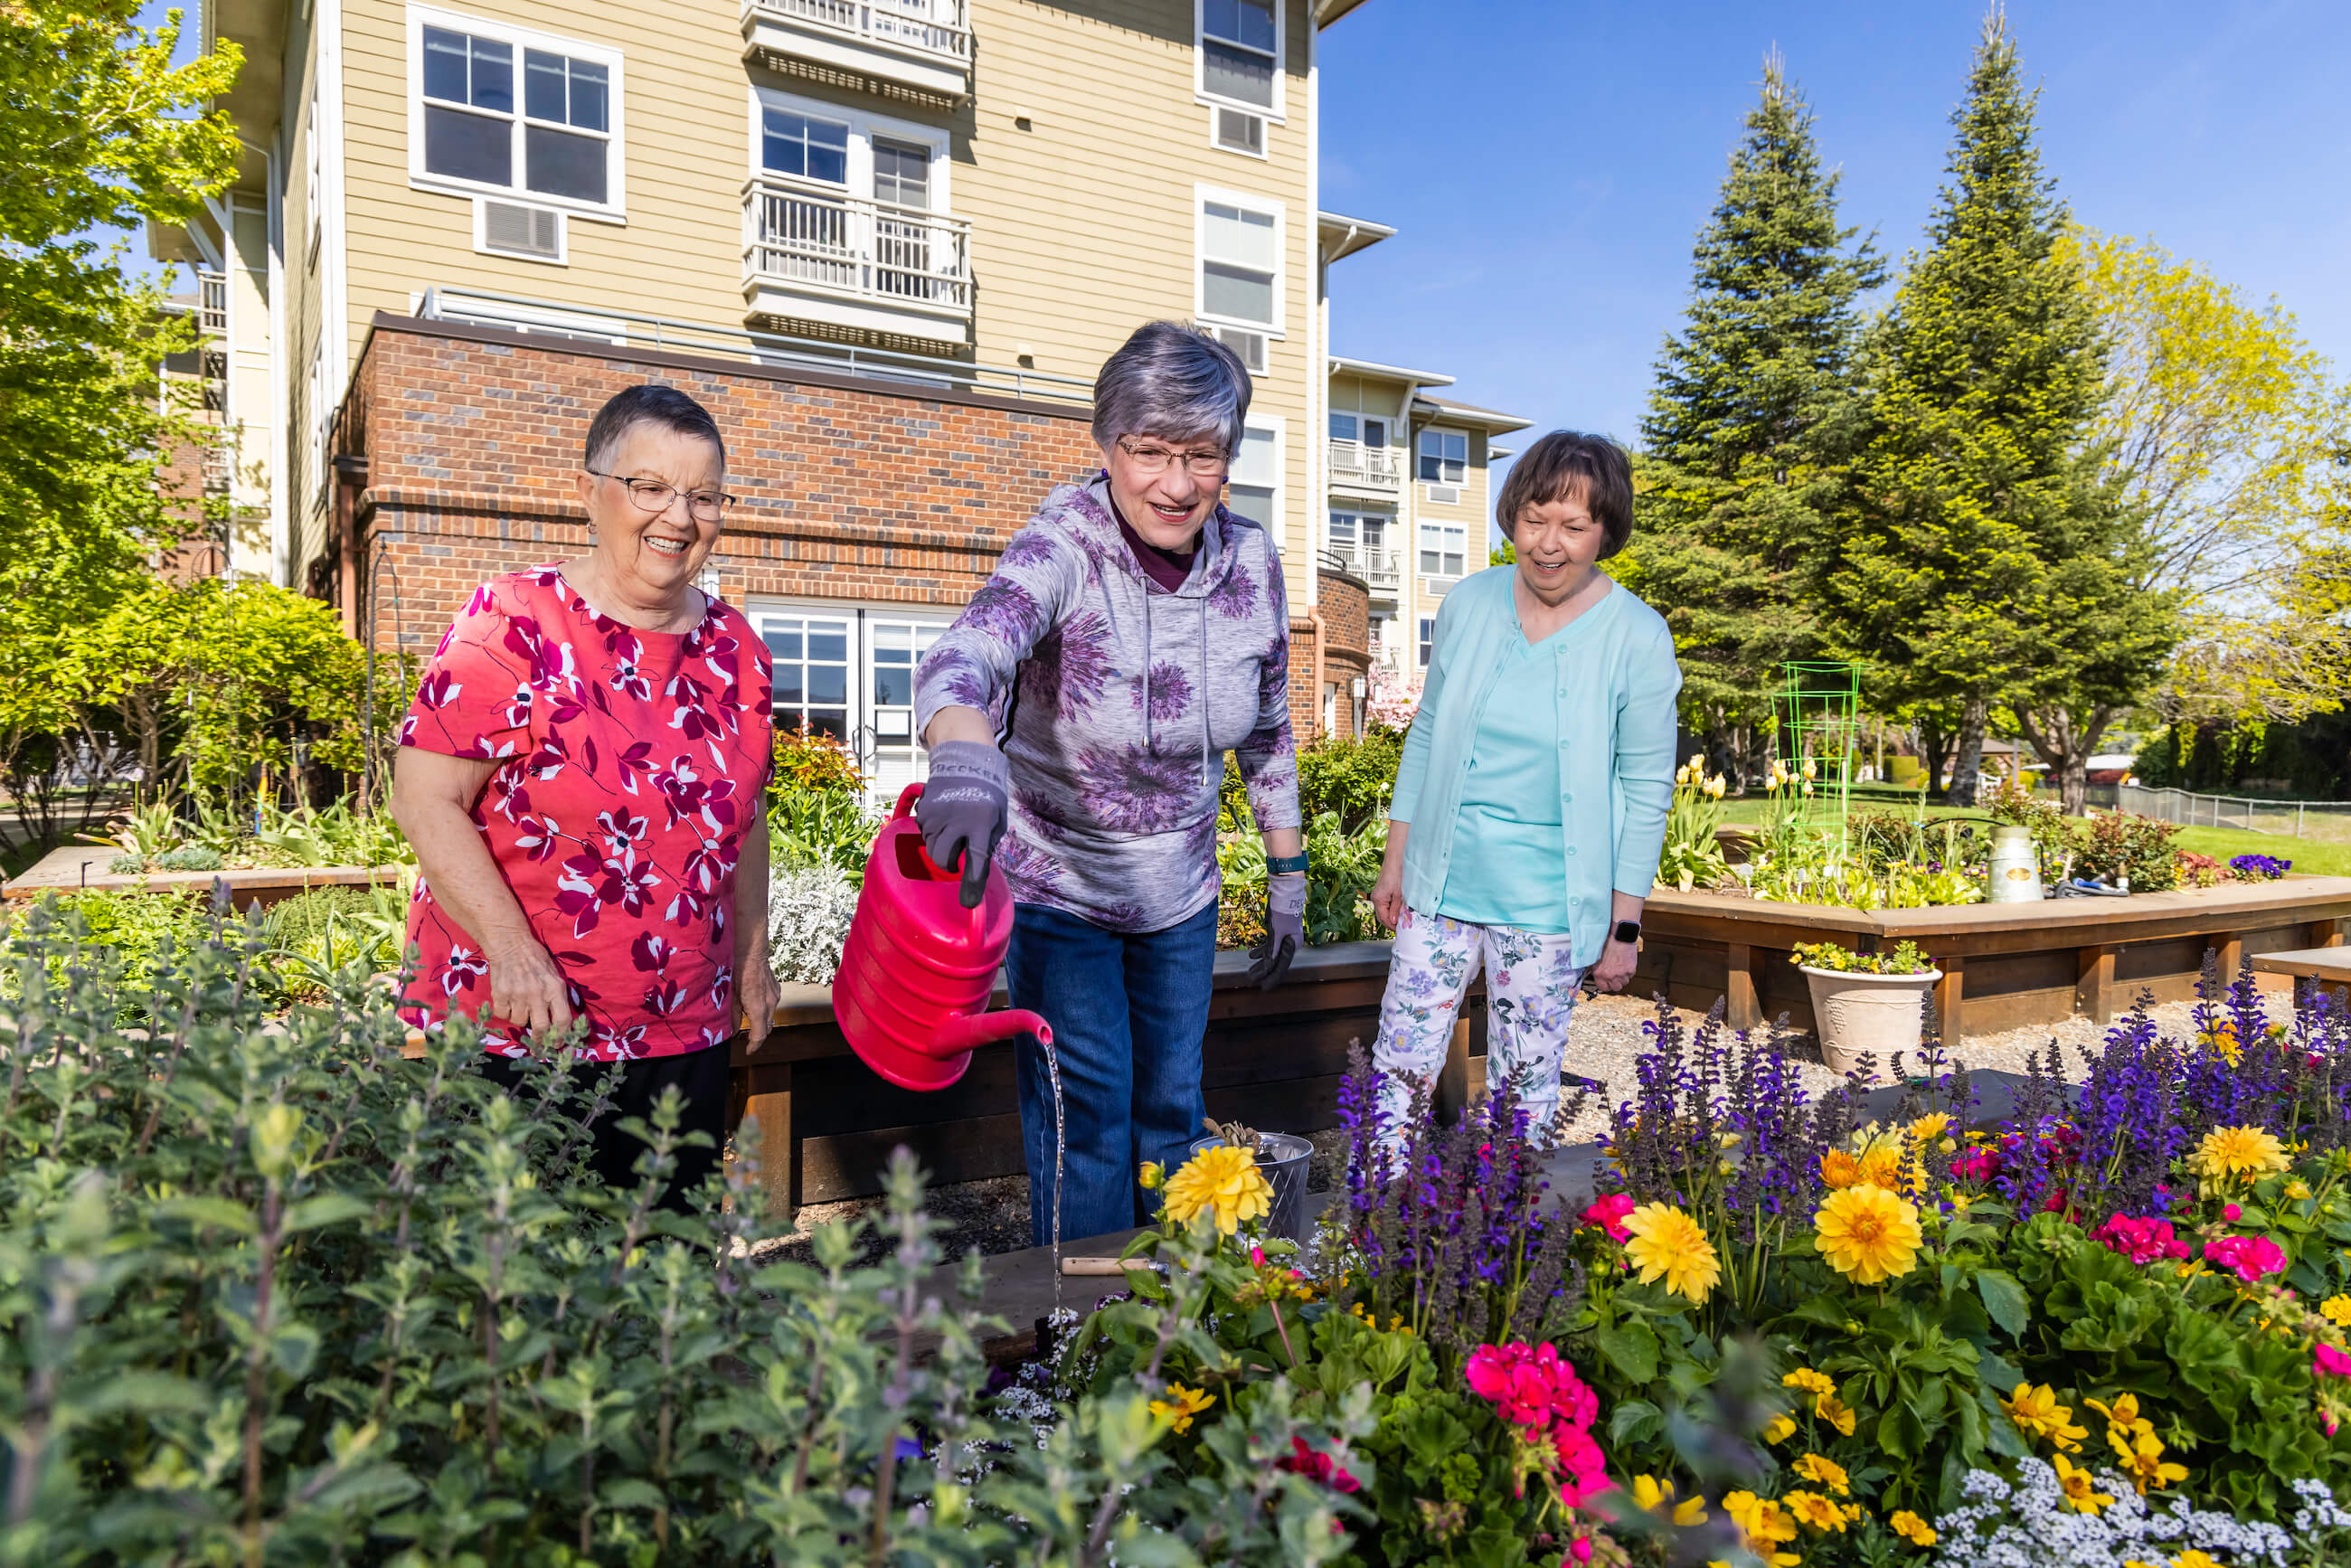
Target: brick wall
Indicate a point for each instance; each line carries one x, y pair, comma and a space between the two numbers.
849, 490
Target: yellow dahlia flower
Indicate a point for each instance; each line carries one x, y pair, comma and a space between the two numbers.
1668, 1244
1223, 1181
1868, 1234
1839, 1169
2228, 1152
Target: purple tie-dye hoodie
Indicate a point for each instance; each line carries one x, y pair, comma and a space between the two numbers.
1115, 704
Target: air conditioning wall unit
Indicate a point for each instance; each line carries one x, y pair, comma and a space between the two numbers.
510, 228
1237, 131
1249, 346
1445, 495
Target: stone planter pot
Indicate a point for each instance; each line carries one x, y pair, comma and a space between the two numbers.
1873, 1014
1282, 1159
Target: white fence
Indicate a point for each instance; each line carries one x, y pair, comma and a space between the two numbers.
2325, 819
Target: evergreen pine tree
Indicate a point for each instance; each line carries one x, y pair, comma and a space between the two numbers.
1985, 565
1749, 422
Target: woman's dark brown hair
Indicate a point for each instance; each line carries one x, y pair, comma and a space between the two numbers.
1567, 465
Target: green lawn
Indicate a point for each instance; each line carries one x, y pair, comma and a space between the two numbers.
2312, 855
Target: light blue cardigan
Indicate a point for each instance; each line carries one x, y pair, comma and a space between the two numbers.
1618, 681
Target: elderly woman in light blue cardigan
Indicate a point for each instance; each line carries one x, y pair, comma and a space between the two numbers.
1529, 806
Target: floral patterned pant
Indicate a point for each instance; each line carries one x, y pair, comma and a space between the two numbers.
1530, 986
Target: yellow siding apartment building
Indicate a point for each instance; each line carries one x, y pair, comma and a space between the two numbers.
962, 204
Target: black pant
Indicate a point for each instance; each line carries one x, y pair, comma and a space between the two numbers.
700, 1079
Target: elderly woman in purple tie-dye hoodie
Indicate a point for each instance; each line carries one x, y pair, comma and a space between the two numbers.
1079, 711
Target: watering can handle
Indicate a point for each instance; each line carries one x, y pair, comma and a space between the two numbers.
905, 808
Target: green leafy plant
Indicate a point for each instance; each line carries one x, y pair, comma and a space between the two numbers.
2120, 845
1905, 958
272, 1293
1692, 856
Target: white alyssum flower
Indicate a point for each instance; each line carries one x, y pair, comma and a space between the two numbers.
2027, 1524
809, 908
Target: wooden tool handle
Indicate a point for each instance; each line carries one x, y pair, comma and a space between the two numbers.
1102, 1268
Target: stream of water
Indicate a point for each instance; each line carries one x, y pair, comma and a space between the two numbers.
1060, 1145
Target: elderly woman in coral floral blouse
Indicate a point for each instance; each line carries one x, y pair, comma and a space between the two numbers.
581, 775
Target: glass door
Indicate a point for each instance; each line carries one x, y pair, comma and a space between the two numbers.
889, 751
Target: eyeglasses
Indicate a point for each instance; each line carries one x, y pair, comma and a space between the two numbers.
1153, 460
653, 496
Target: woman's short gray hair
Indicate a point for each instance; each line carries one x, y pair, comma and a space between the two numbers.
1173, 380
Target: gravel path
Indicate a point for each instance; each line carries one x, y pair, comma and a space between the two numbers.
1603, 1039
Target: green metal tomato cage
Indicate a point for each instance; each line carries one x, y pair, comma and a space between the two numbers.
1819, 722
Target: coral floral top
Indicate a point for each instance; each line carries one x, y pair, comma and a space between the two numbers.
630, 765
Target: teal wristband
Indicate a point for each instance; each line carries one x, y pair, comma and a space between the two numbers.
1283, 865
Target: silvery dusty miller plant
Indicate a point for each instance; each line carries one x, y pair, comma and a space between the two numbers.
808, 910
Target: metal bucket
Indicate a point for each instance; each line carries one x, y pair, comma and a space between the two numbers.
1282, 1159
2016, 866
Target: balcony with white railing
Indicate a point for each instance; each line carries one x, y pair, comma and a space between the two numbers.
1365, 467
211, 304
1376, 564
812, 254
919, 45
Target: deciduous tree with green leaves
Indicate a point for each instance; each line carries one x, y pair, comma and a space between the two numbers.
101, 129
1989, 562
2231, 439
1750, 423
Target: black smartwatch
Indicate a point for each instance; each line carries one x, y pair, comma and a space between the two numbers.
1284, 865
1628, 932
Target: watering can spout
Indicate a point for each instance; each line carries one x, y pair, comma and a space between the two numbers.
969, 1031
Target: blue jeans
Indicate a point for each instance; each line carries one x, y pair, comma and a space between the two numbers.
1128, 1013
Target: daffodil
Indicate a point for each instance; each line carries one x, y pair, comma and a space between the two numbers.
1222, 1181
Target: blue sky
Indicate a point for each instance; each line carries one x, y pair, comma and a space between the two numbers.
1547, 163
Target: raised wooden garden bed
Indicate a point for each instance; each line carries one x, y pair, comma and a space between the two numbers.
1273, 1059
2005, 966
81, 867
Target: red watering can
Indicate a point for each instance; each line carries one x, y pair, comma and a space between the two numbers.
916, 971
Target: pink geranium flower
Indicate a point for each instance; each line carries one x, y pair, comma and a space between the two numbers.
2247, 1256
1530, 1386
2141, 1240
1609, 1212
2329, 1362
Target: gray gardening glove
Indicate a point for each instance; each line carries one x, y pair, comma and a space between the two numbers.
962, 810
1285, 929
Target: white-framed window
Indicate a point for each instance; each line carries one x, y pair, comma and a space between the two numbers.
848, 671
1428, 640
801, 140
1239, 241
1444, 457
1369, 430
1253, 488
1241, 54
497, 110
1361, 538
314, 179
1442, 547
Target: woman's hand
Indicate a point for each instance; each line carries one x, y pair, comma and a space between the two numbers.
1387, 892
1617, 962
757, 993
527, 990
